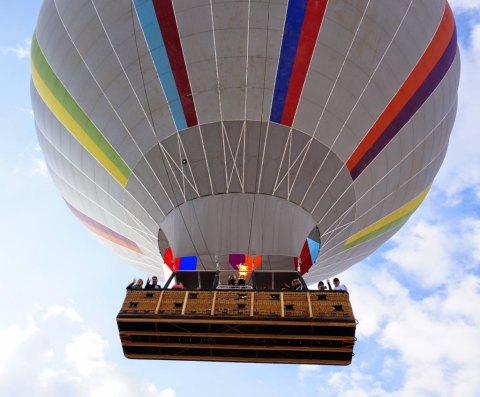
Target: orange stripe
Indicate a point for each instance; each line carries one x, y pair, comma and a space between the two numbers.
419, 73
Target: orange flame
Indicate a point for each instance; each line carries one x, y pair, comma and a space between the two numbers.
251, 263
243, 270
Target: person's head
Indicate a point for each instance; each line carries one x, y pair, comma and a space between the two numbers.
295, 282
232, 279
177, 285
139, 282
321, 285
336, 282
154, 280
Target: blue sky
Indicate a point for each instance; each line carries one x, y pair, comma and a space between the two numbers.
417, 298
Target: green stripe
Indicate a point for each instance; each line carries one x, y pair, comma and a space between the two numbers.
378, 232
71, 106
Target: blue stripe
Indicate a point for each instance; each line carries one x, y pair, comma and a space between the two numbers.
314, 248
188, 263
151, 29
291, 35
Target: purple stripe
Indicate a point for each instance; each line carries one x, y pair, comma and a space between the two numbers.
99, 226
411, 107
236, 259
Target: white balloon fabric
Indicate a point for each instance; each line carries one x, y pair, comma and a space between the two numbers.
297, 133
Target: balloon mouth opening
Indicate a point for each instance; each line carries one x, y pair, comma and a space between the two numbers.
241, 262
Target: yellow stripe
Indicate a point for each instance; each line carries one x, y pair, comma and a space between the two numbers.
75, 129
407, 208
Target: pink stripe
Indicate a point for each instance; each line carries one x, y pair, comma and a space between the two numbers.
112, 238
104, 231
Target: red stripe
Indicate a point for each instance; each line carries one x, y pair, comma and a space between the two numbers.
177, 263
417, 76
171, 38
306, 44
306, 259
168, 258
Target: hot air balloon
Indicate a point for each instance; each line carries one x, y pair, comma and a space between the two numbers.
280, 135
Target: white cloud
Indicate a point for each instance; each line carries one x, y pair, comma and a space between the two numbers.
38, 168
20, 50
426, 347
423, 334
472, 236
463, 301
461, 168
353, 384
422, 341
36, 361
59, 310
24, 349
86, 352
412, 340
58, 382
372, 289
48, 374
17, 343
306, 371
30, 164
85, 356
167, 393
465, 4
27, 111
426, 251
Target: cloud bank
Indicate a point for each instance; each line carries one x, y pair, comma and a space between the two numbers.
34, 363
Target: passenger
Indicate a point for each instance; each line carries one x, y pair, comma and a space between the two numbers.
323, 287
296, 285
232, 280
177, 285
154, 284
135, 284
338, 286
241, 282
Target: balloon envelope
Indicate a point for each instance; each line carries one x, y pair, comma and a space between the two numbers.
273, 135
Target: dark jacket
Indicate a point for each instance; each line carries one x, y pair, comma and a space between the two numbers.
152, 286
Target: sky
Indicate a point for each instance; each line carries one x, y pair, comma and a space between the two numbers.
417, 298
